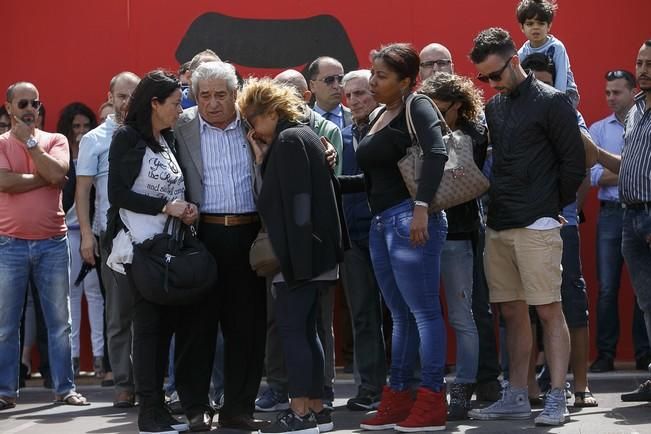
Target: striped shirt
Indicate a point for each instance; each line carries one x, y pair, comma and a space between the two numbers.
227, 169
635, 171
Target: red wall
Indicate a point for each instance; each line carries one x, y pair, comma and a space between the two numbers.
70, 49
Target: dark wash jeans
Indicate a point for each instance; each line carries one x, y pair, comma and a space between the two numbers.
609, 272
409, 280
636, 248
365, 306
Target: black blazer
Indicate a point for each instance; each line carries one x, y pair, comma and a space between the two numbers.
125, 161
298, 205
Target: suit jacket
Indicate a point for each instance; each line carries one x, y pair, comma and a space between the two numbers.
188, 147
348, 115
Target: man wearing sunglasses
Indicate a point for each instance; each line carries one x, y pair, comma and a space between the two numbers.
435, 58
325, 75
33, 242
538, 165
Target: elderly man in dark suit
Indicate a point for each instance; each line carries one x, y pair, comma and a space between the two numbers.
219, 175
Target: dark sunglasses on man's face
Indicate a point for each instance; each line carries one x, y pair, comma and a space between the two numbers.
23, 103
494, 76
329, 80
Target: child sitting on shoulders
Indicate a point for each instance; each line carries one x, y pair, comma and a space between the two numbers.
535, 18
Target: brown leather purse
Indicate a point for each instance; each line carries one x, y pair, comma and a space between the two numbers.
462, 180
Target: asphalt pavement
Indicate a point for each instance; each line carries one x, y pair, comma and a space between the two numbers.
36, 414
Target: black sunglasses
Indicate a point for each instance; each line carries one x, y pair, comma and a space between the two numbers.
23, 103
331, 79
494, 76
619, 73
440, 63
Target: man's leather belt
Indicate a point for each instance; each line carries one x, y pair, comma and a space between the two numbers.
230, 220
641, 206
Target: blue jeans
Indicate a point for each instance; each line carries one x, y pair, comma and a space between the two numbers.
636, 248
46, 264
457, 273
409, 280
609, 272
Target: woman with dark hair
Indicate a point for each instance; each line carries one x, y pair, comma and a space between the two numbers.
461, 104
75, 120
299, 208
405, 242
145, 186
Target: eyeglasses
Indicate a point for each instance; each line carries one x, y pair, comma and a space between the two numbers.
329, 80
23, 103
494, 76
441, 63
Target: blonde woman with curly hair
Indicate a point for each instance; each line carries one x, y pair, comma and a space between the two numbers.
298, 206
461, 104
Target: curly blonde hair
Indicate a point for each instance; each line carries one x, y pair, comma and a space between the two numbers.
452, 88
263, 95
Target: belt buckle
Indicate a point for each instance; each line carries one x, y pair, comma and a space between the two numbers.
226, 219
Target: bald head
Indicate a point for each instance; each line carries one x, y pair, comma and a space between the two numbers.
295, 79
19, 86
122, 78
434, 58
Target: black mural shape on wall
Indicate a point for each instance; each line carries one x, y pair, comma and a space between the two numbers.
270, 44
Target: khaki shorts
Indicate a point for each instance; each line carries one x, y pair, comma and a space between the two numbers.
524, 264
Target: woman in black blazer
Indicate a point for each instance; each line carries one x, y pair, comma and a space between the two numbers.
298, 206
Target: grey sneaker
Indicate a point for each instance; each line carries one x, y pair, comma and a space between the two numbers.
514, 404
555, 411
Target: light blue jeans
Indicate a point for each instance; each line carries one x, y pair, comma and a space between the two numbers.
457, 273
409, 277
44, 263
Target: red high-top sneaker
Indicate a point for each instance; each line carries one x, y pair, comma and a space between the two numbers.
428, 413
394, 407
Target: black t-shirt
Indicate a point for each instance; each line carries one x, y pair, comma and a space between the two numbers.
378, 155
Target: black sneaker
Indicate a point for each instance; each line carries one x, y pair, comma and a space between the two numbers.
642, 393
290, 422
324, 420
148, 423
365, 400
489, 391
602, 364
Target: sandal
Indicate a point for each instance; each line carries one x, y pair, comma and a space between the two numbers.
585, 399
72, 398
6, 403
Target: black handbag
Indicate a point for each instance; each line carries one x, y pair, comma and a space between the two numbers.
173, 269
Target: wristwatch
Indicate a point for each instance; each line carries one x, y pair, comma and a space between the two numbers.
31, 143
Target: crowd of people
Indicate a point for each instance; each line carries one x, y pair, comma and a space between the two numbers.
284, 157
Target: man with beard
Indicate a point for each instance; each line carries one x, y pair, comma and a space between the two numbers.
92, 170
635, 194
538, 165
33, 242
